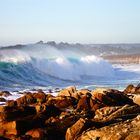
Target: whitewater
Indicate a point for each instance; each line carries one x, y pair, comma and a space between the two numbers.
42, 66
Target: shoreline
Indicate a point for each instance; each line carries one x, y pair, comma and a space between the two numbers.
72, 114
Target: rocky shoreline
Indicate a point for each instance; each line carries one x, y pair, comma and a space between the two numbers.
73, 114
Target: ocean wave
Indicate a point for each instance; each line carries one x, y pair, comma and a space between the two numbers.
44, 66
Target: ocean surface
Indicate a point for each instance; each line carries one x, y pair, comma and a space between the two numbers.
46, 67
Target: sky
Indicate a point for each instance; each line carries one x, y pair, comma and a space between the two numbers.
73, 21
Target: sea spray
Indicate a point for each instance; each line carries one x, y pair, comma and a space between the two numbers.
44, 65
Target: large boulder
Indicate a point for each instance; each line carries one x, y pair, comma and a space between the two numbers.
84, 103
121, 112
5, 93
2, 99
109, 97
136, 99
37, 133
131, 89
62, 101
40, 96
8, 113
127, 130
75, 129
69, 91
27, 99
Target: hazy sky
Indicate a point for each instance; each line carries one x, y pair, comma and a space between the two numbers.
84, 21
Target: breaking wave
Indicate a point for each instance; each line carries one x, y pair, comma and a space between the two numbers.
43, 66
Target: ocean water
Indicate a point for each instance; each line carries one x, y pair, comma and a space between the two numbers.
39, 67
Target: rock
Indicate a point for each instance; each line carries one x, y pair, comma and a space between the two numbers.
101, 113
24, 137
37, 133
130, 89
11, 103
68, 91
75, 129
121, 112
137, 90
40, 96
84, 103
109, 97
26, 100
136, 99
83, 92
62, 101
8, 113
2, 99
2, 138
5, 93
48, 110
56, 128
123, 130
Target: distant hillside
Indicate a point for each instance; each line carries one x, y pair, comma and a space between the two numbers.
90, 49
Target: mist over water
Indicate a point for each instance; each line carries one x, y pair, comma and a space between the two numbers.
43, 65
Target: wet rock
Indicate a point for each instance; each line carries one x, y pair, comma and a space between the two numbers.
5, 93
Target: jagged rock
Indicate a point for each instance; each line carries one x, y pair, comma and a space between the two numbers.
2, 138
127, 130
40, 96
68, 91
136, 99
84, 103
62, 101
37, 133
112, 113
131, 89
75, 129
48, 110
5, 93
56, 128
11, 103
83, 92
137, 91
101, 113
109, 97
26, 100
24, 137
2, 99
8, 113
